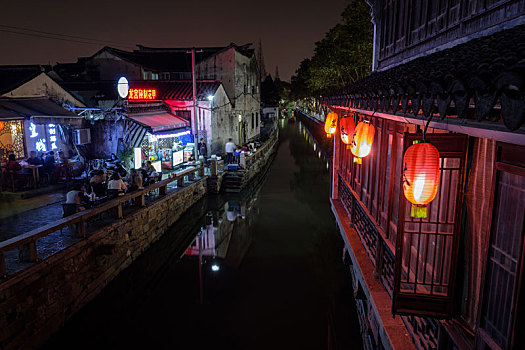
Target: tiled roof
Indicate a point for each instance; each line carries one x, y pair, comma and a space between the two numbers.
171, 59
14, 108
178, 90
90, 93
490, 70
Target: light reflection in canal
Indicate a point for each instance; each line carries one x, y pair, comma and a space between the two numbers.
257, 270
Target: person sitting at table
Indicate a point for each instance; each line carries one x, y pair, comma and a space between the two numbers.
49, 163
62, 157
149, 168
97, 183
134, 180
12, 164
33, 159
115, 185
148, 173
74, 199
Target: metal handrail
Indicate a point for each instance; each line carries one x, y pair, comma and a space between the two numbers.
29, 239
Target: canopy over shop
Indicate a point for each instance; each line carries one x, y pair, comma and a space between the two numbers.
160, 137
38, 124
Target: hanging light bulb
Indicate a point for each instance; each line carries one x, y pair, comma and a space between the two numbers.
330, 124
362, 141
420, 177
347, 128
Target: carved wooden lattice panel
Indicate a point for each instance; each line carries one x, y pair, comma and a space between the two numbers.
387, 268
427, 249
366, 230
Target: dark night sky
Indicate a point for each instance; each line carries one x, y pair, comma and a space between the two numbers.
288, 28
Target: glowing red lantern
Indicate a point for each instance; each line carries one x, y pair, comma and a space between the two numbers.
1, 125
420, 177
330, 124
347, 127
362, 141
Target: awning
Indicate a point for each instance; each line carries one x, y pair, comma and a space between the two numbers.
159, 122
39, 110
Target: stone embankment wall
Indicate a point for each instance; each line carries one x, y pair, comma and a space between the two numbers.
260, 166
37, 301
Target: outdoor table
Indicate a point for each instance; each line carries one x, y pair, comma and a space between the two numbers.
36, 173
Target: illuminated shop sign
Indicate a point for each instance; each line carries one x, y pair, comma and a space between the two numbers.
142, 94
44, 137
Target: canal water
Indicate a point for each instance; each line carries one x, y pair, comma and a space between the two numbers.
258, 270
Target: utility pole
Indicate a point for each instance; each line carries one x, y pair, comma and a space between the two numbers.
194, 89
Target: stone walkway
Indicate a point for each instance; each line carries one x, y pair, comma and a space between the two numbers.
29, 220
51, 244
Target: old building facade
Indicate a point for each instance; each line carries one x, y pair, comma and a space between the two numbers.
449, 73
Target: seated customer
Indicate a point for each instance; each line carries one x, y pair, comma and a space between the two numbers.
33, 159
74, 200
97, 183
62, 157
134, 180
12, 164
115, 185
49, 163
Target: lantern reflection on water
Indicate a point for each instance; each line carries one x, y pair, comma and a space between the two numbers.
362, 141
420, 177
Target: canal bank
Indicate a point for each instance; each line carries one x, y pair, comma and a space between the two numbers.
270, 274
48, 290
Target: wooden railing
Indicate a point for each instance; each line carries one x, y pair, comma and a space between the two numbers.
26, 243
424, 330
379, 248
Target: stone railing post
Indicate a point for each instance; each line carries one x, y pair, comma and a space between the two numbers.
214, 167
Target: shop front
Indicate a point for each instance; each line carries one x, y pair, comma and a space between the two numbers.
36, 124
166, 142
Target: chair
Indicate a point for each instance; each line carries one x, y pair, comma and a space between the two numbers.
18, 180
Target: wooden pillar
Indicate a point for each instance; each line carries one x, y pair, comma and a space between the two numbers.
140, 201
3, 270
201, 171
82, 228
27, 252
163, 189
180, 181
116, 212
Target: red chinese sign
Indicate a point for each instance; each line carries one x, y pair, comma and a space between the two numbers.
142, 94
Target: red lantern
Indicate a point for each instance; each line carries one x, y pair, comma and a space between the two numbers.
347, 126
330, 124
362, 141
420, 177
1, 125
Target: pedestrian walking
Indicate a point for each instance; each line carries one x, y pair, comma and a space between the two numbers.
230, 147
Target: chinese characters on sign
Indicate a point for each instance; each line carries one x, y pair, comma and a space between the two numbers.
32, 129
52, 132
45, 137
40, 145
142, 94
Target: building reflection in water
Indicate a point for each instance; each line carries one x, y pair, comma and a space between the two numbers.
221, 245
